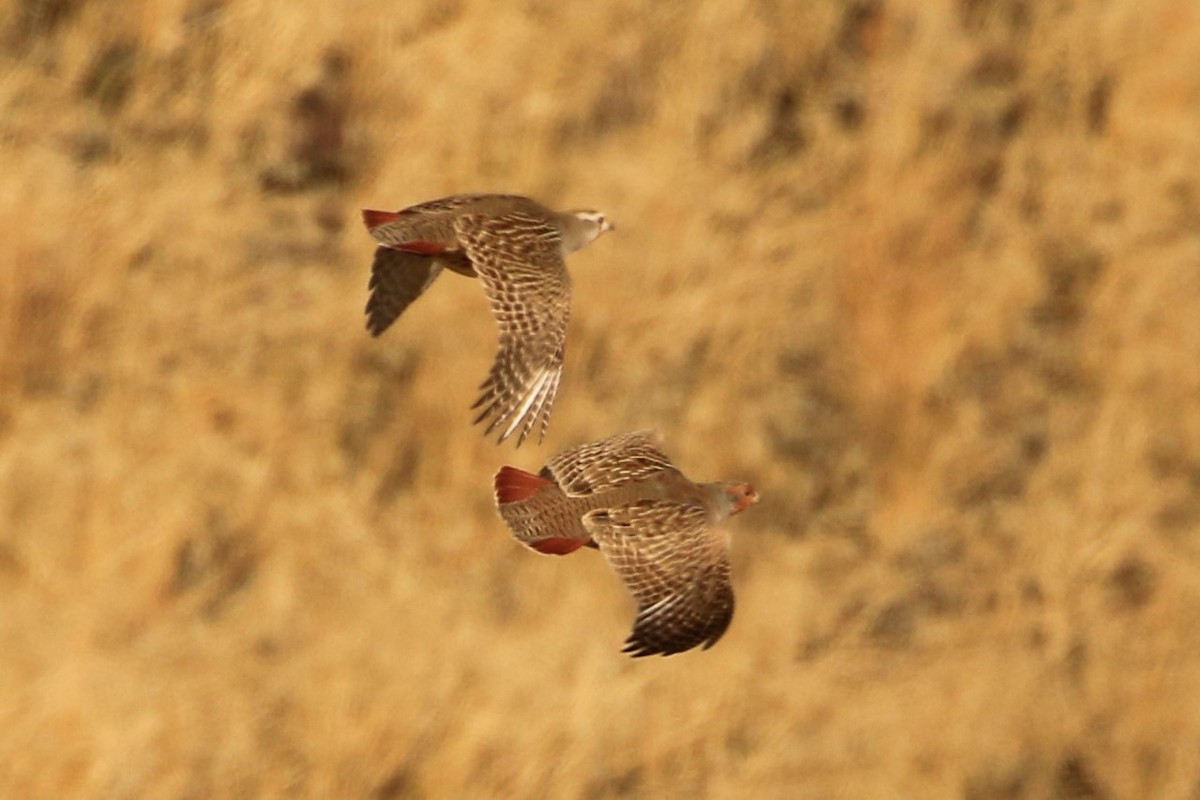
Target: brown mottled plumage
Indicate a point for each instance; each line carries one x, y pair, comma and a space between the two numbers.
517, 248
656, 529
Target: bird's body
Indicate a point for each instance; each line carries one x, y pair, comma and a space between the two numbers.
517, 248
657, 529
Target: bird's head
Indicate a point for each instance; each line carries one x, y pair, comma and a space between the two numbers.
741, 496
585, 225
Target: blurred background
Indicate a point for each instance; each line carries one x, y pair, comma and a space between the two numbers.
926, 273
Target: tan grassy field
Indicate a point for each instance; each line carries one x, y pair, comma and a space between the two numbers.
927, 273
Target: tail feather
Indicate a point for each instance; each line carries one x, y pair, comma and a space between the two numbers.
514, 485
373, 218
558, 545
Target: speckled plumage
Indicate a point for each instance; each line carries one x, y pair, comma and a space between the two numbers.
517, 248
656, 529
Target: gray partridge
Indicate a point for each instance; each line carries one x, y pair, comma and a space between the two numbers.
517, 247
657, 530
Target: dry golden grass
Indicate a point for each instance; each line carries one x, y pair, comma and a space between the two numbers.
928, 273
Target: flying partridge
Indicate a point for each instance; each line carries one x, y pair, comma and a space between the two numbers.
656, 529
517, 247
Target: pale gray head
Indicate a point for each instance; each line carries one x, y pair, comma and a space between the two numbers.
741, 496
730, 498
581, 226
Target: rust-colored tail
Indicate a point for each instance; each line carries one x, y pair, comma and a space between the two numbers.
514, 485
373, 218
558, 545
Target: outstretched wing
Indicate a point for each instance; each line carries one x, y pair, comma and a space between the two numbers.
397, 279
609, 463
676, 569
518, 257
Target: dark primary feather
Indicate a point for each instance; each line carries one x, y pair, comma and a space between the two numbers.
397, 279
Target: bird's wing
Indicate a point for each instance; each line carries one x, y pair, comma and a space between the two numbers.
600, 466
467, 202
429, 227
518, 257
676, 569
397, 279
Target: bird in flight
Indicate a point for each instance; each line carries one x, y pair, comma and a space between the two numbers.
658, 531
517, 248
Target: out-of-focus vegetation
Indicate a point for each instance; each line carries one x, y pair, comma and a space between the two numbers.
927, 273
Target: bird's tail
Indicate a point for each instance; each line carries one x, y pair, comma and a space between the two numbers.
514, 485
535, 525
373, 218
